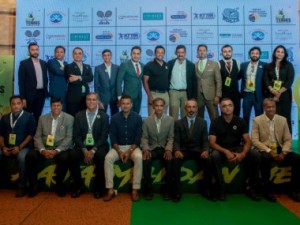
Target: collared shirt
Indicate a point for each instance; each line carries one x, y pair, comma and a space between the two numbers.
138, 64
251, 75
126, 131
158, 122
80, 66
271, 124
39, 74
158, 75
178, 78
54, 124
108, 69
202, 63
190, 120
61, 62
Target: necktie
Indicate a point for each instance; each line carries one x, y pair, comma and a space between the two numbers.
137, 69
191, 126
229, 66
201, 66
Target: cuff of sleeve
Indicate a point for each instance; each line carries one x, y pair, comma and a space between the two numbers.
58, 150
94, 149
119, 97
268, 150
42, 149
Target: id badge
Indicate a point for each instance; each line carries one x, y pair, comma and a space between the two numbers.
277, 85
228, 81
250, 85
273, 147
89, 140
83, 89
50, 140
12, 139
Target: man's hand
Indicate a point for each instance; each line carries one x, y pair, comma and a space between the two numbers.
150, 99
230, 156
47, 154
216, 100
88, 157
126, 155
204, 154
73, 78
168, 155
146, 154
178, 155
6, 151
24, 103
239, 157
280, 157
15, 150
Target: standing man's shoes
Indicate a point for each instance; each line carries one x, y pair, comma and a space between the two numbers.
109, 196
21, 193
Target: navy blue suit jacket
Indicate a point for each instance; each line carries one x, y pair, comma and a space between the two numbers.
105, 86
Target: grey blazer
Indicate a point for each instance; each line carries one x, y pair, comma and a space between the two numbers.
63, 139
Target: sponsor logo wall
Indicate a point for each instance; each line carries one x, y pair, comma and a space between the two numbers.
120, 24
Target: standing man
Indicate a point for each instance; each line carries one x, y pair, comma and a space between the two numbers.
229, 68
252, 87
78, 76
271, 136
125, 137
229, 139
157, 143
33, 81
105, 78
91, 146
130, 75
52, 140
17, 129
156, 79
183, 82
57, 80
191, 142
209, 84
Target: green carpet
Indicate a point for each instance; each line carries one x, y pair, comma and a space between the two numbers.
195, 210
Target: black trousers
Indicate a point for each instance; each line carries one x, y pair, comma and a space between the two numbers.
291, 159
205, 164
114, 108
34, 157
75, 107
76, 157
36, 104
252, 164
157, 154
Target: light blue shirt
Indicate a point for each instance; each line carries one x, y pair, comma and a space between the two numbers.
178, 78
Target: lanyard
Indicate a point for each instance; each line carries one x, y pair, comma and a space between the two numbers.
13, 124
277, 72
90, 124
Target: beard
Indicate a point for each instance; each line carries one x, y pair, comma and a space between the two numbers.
254, 59
34, 55
227, 57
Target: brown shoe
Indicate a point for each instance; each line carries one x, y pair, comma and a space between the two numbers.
109, 196
135, 196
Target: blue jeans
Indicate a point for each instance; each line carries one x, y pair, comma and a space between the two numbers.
249, 100
22, 168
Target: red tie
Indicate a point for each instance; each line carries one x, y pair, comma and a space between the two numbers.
137, 69
229, 65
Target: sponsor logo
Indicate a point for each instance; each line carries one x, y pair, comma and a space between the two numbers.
231, 15
32, 36
204, 33
80, 17
153, 35
124, 56
176, 34
225, 35
104, 17
106, 35
233, 35
80, 37
264, 55
204, 16
56, 36
281, 17
129, 36
290, 54
56, 17
255, 14
180, 15
128, 17
258, 35
153, 16
149, 52
48, 57
31, 20
283, 35
210, 54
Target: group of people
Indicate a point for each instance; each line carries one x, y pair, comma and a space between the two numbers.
77, 128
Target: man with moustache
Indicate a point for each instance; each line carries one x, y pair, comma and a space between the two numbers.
125, 133
33, 81
157, 144
78, 75
191, 142
156, 79
229, 69
90, 138
252, 87
17, 129
209, 84
57, 80
183, 82
230, 142
130, 75
52, 140
105, 78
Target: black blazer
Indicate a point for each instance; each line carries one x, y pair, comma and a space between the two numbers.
27, 79
100, 131
197, 142
191, 79
74, 92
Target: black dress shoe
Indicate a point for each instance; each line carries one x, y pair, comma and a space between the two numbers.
221, 196
176, 198
98, 194
32, 191
167, 196
149, 196
253, 195
270, 197
77, 193
209, 195
295, 196
21, 193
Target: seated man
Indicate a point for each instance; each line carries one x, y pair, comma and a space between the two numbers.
157, 143
17, 129
90, 138
125, 136
191, 142
229, 139
52, 140
271, 136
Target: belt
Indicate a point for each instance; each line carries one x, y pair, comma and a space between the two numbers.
178, 89
158, 91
